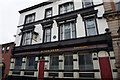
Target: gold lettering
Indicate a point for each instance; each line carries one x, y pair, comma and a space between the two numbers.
81, 47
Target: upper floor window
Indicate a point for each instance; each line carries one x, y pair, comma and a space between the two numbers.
30, 18
47, 35
7, 49
87, 3
67, 7
30, 63
54, 62
48, 12
68, 62
85, 62
27, 38
18, 63
3, 50
67, 31
117, 4
90, 26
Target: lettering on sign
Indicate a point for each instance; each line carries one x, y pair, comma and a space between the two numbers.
52, 50
81, 47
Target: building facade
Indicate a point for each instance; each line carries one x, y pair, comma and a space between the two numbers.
63, 39
5, 58
112, 14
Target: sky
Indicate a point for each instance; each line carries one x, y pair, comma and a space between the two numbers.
9, 17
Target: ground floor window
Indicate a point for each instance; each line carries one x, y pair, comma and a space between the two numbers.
30, 64
18, 63
54, 62
68, 62
85, 62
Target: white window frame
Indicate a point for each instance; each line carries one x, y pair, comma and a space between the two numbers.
27, 37
88, 28
47, 35
62, 30
64, 8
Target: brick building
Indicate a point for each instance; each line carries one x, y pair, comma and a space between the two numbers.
65, 39
112, 14
5, 58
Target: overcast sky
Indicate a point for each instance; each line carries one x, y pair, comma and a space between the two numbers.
9, 17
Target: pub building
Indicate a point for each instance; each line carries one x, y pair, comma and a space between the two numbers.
63, 39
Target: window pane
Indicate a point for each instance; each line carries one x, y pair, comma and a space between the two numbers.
68, 62
92, 31
3, 50
118, 6
54, 62
18, 63
30, 18
61, 32
66, 8
67, 32
87, 3
27, 38
91, 27
81, 62
85, 62
47, 35
90, 23
30, 63
73, 31
48, 13
89, 63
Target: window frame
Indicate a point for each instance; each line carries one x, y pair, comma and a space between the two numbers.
71, 30
70, 67
95, 22
28, 63
3, 50
85, 68
87, 6
7, 50
24, 40
48, 10
32, 14
20, 64
64, 5
52, 67
116, 5
44, 34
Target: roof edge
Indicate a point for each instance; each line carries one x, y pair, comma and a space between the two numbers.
35, 6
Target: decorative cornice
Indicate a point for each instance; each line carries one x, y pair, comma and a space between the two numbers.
112, 15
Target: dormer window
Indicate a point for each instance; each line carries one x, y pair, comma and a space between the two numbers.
87, 3
30, 18
48, 12
67, 7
